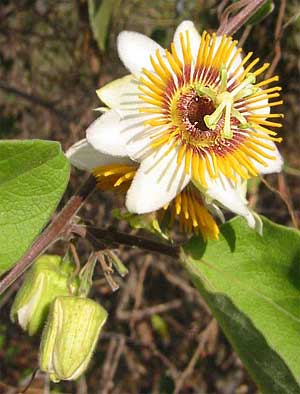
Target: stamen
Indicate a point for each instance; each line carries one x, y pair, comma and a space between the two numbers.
188, 158
174, 65
261, 69
154, 79
247, 69
275, 103
181, 154
240, 66
267, 81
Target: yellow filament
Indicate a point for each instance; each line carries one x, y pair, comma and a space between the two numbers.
152, 86
162, 63
252, 100
178, 204
237, 52
267, 81
175, 56
185, 205
161, 72
186, 48
209, 167
270, 90
235, 165
246, 58
211, 49
264, 136
258, 116
245, 162
228, 52
126, 177
267, 123
218, 59
262, 144
261, 69
154, 79
180, 154
205, 49
254, 149
188, 158
174, 65
264, 129
247, 69
151, 101
151, 93
151, 110
160, 140
155, 122
274, 104
200, 49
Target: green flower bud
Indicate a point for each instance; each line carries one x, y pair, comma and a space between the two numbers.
47, 279
70, 336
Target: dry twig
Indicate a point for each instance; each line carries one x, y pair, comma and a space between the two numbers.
277, 37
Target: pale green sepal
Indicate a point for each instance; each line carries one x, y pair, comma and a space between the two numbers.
48, 278
111, 94
70, 337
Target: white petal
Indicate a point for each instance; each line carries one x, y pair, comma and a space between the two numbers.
273, 166
195, 38
83, 156
229, 196
116, 92
156, 183
104, 134
135, 49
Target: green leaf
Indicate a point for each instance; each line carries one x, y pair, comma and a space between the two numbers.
33, 177
251, 284
100, 13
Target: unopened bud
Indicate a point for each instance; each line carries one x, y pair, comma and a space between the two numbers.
47, 279
70, 336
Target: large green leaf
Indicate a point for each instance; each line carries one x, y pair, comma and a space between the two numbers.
33, 177
252, 285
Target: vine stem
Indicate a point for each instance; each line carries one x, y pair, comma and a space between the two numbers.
60, 225
100, 238
237, 21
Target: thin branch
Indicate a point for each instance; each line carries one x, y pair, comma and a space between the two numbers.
140, 314
59, 226
237, 21
99, 236
278, 34
113, 355
205, 336
286, 201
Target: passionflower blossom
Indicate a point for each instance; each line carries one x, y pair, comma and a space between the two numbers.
188, 124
